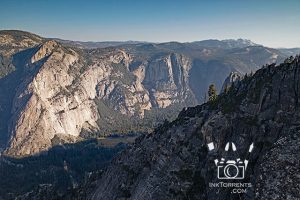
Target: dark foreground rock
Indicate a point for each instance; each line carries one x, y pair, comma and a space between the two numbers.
174, 161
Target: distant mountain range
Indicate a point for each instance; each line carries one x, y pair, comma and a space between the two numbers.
227, 43
224, 44
290, 51
94, 45
230, 43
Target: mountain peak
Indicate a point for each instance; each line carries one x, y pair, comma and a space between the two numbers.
226, 44
246, 42
44, 50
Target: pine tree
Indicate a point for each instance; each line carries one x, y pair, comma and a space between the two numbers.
212, 93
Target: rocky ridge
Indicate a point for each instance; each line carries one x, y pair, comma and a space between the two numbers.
232, 79
174, 162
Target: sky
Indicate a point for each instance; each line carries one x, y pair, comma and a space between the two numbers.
273, 23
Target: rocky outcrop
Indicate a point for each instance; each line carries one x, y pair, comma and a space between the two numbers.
233, 78
176, 162
167, 79
42, 107
44, 50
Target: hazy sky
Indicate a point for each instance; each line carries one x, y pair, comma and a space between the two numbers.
274, 23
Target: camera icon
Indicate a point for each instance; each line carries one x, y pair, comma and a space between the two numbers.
231, 169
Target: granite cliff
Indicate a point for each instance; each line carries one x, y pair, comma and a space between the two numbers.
59, 91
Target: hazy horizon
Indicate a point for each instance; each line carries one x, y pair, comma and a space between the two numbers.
271, 23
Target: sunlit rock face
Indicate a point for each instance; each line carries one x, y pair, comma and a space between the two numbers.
57, 97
